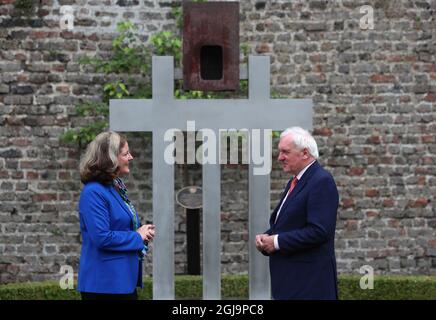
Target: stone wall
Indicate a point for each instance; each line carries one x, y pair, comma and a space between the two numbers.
374, 94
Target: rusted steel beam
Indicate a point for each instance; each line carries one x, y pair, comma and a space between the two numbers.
211, 46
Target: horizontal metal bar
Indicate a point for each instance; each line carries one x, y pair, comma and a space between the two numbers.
243, 73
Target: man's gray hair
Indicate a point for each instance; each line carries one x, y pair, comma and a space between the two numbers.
302, 139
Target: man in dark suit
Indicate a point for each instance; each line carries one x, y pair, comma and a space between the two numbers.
300, 240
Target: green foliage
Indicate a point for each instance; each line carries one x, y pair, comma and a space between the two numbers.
141, 92
92, 109
244, 48
25, 7
49, 290
194, 94
277, 95
276, 134
177, 12
236, 286
83, 135
116, 90
166, 43
389, 288
129, 55
243, 86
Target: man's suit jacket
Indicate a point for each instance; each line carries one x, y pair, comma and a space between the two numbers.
305, 265
109, 259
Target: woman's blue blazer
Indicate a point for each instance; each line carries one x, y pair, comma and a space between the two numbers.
109, 259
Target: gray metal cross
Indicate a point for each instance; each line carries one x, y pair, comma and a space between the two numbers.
162, 113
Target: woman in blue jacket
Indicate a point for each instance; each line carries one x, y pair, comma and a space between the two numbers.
113, 240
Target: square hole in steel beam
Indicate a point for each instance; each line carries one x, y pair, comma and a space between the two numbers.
211, 62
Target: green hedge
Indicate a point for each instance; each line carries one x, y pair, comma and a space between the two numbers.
236, 286
389, 288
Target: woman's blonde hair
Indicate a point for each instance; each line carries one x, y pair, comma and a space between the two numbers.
100, 161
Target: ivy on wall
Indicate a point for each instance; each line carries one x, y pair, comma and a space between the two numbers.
130, 57
25, 7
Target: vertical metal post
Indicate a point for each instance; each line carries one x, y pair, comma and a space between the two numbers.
212, 230
193, 240
258, 188
163, 189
